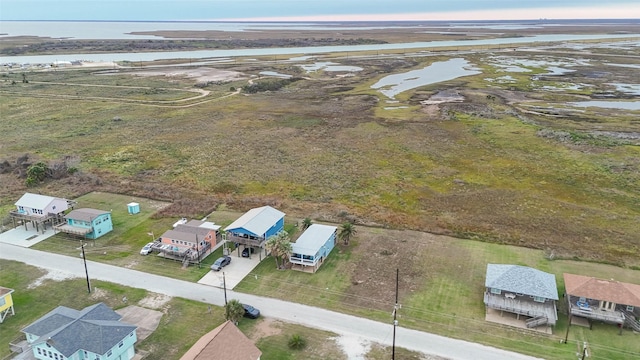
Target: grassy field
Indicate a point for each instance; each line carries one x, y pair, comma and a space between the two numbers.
183, 322
441, 278
510, 165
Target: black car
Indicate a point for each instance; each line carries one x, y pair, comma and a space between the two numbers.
220, 263
245, 251
250, 312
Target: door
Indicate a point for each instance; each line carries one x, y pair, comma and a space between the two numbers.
607, 305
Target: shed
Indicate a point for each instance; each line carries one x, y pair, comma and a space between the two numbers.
133, 208
6, 303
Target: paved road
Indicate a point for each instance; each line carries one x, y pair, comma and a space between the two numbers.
278, 309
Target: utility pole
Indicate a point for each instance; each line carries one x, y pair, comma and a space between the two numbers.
224, 286
85, 268
566, 336
395, 322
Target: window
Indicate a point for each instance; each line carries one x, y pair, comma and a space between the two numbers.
538, 299
629, 308
496, 291
121, 344
109, 353
39, 351
131, 334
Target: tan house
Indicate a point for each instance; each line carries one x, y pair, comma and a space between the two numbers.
226, 342
603, 300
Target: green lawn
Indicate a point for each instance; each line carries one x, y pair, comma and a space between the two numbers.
183, 321
445, 295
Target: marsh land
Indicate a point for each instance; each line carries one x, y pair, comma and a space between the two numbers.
498, 151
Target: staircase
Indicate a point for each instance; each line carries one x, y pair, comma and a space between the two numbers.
630, 320
536, 321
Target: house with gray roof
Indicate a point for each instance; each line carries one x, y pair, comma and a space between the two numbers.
523, 291
94, 332
255, 226
86, 222
188, 241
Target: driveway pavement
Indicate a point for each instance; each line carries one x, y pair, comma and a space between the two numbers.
25, 238
286, 311
233, 273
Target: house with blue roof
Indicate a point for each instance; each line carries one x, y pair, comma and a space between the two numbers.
522, 291
90, 223
313, 247
255, 226
94, 332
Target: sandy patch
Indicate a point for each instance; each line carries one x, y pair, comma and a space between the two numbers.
54, 275
154, 301
355, 347
264, 328
201, 75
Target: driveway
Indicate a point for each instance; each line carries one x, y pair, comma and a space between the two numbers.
25, 238
232, 274
286, 311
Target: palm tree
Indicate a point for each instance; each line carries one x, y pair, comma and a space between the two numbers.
306, 223
347, 231
280, 247
233, 311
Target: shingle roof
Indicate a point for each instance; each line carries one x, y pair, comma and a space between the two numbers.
257, 220
195, 230
312, 239
95, 328
599, 289
35, 201
85, 214
179, 235
522, 280
226, 342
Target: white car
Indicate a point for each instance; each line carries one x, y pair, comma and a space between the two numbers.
147, 249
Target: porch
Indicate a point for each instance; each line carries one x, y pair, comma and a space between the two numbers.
305, 265
245, 240
609, 316
73, 230
521, 306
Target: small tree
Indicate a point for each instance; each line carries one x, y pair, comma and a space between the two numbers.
36, 173
347, 231
297, 342
306, 223
233, 311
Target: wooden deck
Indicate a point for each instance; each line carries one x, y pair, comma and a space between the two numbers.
615, 317
520, 306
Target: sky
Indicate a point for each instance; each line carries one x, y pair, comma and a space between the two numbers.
316, 10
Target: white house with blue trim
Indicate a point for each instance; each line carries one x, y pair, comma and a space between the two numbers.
90, 223
255, 226
313, 247
94, 332
39, 210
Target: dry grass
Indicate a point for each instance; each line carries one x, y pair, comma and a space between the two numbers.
325, 148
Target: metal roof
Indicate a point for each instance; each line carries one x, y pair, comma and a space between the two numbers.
95, 328
312, 239
85, 214
257, 220
522, 280
34, 201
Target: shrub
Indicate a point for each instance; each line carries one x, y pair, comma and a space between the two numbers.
297, 342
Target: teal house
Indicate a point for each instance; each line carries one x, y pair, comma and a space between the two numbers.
93, 333
90, 223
